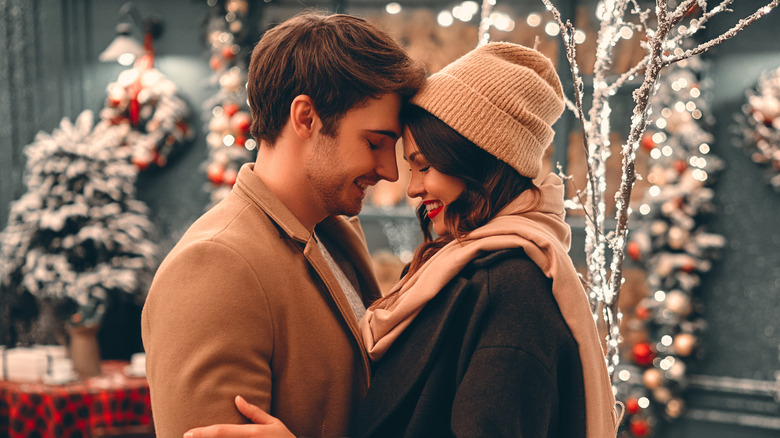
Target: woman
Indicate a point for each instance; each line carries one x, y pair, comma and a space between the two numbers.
489, 333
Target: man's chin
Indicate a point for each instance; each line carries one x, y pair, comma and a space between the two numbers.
351, 210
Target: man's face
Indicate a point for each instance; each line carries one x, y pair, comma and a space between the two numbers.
361, 154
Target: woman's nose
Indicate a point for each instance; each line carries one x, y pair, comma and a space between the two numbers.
415, 188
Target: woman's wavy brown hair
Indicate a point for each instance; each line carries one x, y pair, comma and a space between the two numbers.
490, 184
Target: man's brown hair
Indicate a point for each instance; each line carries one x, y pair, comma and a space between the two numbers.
337, 60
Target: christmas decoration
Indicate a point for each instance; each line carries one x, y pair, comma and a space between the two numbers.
667, 27
144, 103
670, 240
759, 125
78, 235
229, 142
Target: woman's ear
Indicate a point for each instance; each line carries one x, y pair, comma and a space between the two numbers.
303, 116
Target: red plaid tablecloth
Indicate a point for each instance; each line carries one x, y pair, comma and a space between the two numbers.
112, 400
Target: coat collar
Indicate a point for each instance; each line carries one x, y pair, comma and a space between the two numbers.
346, 232
249, 185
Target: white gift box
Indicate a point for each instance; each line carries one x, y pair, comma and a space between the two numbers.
25, 364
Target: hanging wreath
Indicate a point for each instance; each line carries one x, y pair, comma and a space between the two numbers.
759, 124
145, 103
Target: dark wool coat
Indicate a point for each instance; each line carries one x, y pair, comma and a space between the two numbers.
489, 356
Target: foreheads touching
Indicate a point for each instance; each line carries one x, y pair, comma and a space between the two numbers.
339, 61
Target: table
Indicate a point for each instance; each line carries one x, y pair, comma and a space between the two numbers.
111, 404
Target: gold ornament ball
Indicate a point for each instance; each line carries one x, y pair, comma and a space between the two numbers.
662, 394
675, 407
652, 378
678, 302
678, 237
677, 370
683, 344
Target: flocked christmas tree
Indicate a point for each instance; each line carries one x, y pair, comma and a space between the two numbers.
78, 235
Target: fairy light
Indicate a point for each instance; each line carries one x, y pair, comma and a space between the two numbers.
655, 154
659, 295
393, 8
579, 36
695, 92
445, 19
644, 209
654, 191
704, 148
643, 402
660, 123
626, 32
228, 140
552, 28
690, 106
534, 19
624, 375
667, 150
502, 21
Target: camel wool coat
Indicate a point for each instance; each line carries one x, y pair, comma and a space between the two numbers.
246, 304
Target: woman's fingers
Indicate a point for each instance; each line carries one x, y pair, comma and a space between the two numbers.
252, 412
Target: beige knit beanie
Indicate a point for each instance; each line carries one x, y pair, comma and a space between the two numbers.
504, 97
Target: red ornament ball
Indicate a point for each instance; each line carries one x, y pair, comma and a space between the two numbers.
240, 122
230, 177
215, 173
633, 251
227, 53
640, 428
643, 354
632, 406
647, 142
230, 109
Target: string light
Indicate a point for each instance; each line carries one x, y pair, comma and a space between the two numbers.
534, 19
445, 19
393, 8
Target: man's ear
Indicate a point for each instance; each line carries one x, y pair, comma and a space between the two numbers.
303, 116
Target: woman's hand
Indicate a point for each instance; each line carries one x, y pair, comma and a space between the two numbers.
264, 425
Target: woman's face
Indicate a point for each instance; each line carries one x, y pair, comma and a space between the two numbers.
435, 189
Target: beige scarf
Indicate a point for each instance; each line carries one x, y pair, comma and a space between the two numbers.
546, 238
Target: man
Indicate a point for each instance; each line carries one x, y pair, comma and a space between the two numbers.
262, 295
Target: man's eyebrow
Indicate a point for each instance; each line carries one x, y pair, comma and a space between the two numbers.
392, 134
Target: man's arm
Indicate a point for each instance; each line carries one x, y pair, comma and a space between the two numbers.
208, 336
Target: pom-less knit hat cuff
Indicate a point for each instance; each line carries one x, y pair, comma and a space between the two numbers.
503, 97
477, 119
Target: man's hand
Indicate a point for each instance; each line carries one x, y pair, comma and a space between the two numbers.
265, 425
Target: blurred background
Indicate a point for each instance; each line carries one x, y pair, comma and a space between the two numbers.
701, 343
